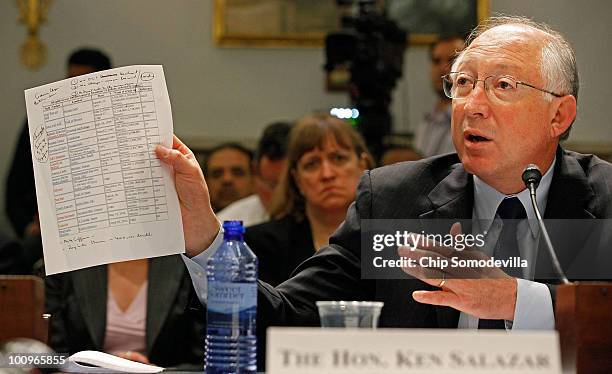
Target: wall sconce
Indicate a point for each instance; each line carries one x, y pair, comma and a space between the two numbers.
33, 13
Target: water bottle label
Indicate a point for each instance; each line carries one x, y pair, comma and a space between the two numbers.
227, 297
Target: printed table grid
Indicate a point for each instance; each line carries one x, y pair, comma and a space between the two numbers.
103, 165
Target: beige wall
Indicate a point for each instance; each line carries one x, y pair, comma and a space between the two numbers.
218, 92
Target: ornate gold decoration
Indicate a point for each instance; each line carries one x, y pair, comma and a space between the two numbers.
33, 13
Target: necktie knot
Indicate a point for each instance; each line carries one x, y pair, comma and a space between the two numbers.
511, 208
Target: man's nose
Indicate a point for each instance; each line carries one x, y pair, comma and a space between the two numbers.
477, 102
227, 177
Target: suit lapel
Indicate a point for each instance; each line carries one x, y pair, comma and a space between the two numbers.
165, 275
451, 201
569, 197
452, 198
91, 287
569, 192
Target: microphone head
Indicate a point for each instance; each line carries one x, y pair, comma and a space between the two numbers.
532, 175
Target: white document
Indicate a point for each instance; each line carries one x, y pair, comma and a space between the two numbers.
105, 363
103, 196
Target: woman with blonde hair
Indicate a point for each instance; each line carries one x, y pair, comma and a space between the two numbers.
325, 159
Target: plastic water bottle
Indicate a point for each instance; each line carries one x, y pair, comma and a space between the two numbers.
231, 340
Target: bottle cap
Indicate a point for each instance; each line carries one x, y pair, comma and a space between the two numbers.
233, 229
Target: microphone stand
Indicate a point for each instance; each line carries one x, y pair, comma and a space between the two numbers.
549, 246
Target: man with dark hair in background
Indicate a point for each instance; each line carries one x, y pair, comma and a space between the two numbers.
21, 206
228, 171
433, 137
269, 162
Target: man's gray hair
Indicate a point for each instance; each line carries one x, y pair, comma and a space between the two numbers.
557, 61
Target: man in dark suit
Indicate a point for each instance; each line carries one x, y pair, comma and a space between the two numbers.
514, 90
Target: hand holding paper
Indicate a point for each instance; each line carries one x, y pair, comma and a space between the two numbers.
200, 224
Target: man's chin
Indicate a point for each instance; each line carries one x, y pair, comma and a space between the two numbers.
477, 166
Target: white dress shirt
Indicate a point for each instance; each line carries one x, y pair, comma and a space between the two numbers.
249, 210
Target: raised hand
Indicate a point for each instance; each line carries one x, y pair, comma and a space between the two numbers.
484, 292
200, 225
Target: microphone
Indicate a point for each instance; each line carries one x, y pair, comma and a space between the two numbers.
532, 177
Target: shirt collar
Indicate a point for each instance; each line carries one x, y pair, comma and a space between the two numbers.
487, 199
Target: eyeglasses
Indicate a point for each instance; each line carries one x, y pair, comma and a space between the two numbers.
458, 85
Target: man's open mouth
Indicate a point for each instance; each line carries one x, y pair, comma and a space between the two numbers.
477, 138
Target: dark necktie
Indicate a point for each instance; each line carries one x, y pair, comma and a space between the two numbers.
511, 211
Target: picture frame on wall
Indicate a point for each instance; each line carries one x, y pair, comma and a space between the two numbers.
304, 23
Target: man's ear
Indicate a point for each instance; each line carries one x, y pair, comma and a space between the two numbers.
564, 114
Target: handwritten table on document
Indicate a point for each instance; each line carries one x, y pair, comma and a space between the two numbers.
93, 137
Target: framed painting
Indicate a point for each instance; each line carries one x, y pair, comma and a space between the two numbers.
304, 23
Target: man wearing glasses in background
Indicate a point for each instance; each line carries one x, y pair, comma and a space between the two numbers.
513, 93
